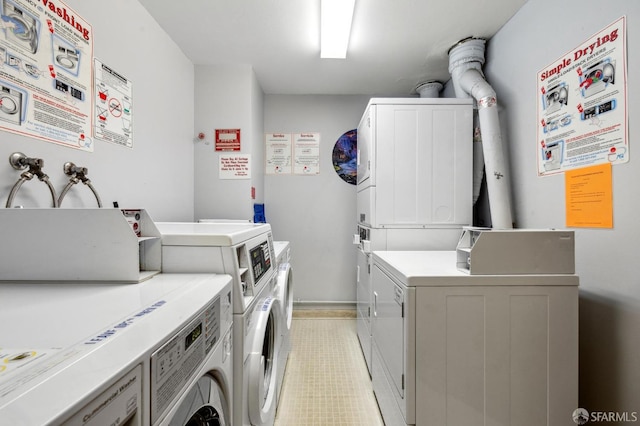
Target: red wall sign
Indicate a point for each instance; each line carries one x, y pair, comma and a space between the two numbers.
227, 139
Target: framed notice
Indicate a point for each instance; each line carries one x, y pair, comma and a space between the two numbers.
227, 139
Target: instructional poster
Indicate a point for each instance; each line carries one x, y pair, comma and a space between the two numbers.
278, 153
46, 80
306, 153
582, 105
114, 106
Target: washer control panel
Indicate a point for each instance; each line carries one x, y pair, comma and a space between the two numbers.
175, 362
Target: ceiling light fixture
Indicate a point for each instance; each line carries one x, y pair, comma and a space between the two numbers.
335, 27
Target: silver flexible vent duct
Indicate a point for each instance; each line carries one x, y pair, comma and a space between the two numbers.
465, 65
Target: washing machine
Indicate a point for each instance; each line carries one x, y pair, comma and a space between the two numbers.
106, 353
10, 104
246, 252
283, 291
24, 30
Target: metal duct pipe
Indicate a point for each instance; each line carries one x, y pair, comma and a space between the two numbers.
465, 65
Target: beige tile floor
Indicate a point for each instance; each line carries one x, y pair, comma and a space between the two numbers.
326, 380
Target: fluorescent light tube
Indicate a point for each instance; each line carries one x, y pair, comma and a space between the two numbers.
335, 27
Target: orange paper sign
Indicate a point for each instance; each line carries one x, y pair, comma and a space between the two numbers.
589, 197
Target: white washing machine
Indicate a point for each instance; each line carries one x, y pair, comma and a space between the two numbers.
126, 354
244, 251
283, 291
25, 29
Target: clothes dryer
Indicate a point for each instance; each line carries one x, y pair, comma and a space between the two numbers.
453, 348
107, 353
283, 291
245, 251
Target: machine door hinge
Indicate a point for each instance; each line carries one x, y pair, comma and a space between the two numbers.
402, 309
369, 269
369, 312
403, 382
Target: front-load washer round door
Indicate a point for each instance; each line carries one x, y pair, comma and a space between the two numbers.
262, 383
204, 405
285, 286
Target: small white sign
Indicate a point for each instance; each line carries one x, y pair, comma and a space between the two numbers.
235, 167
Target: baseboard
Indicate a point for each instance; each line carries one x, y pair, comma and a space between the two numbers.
321, 305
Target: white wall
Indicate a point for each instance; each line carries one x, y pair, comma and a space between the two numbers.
317, 214
157, 173
227, 96
606, 260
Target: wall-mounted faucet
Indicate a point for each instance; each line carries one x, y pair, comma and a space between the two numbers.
19, 161
77, 174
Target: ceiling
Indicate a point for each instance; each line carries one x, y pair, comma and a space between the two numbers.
394, 45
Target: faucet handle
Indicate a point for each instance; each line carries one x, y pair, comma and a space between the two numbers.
18, 161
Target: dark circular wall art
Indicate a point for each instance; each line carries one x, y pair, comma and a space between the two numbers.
345, 156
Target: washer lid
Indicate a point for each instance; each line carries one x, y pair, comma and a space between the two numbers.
208, 233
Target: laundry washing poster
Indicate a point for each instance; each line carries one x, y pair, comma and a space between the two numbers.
582, 105
46, 52
114, 106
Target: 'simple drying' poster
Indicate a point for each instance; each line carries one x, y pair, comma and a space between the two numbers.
582, 105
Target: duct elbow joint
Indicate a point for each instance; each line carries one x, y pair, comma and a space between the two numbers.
474, 83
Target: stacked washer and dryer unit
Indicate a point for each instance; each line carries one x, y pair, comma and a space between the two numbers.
246, 252
414, 188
